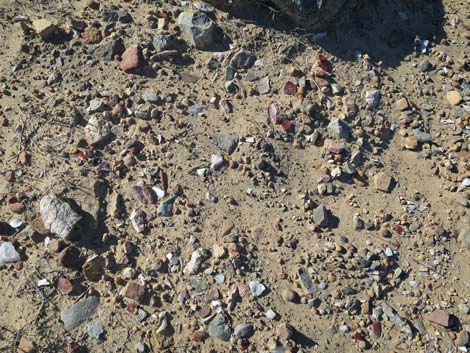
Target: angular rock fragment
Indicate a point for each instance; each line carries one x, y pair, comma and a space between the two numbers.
339, 128
139, 220
321, 217
165, 208
130, 60
44, 28
97, 131
134, 291
8, 253
227, 142
58, 216
439, 317
109, 50
219, 328
76, 314
197, 259
197, 29
402, 324
243, 59
383, 182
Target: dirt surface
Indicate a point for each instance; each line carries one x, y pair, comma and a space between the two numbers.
308, 194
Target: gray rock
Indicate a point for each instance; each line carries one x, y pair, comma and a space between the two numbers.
95, 329
197, 258
97, 131
96, 106
197, 29
227, 142
110, 15
339, 128
163, 42
243, 60
243, 331
57, 216
165, 208
257, 288
219, 328
321, 216
425, 66
422, 137
264, 86
464, 238
373, 98
151, 97
75, 315
107, 51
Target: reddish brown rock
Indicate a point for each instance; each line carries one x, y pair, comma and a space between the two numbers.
17, 207
64, 285
130, 60
93, 269
24, 158
333, 147
9, 176
439, 317
134, 291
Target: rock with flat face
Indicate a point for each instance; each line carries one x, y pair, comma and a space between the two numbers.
76, 314
58, 216
197, 29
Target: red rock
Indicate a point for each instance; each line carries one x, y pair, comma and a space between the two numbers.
333, 147
134, 291
130, 60
94, 268
9, 176
17, 207
64, 285
439, 317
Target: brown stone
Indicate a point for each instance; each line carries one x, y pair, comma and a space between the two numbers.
17, 207
439, 317
198, 335
402, 104
26, 345
94, 268
226, 228
383, 182
284, 331
462, 338
130, 60
70, 258
333, 147
24, 158
92, 35
453, 97
9, 176
134, 291
411, 143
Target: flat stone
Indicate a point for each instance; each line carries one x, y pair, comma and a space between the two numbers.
110, 15
197, 29
134, 291
219, 328
257, 288
422, 137
453, 97
227, 142
284, 331
76, 314
151, 97
439, 317
95, 329
243, 59
194, 264
26, 346
57, 216
333, 147
130, 59
383, 182
163, 42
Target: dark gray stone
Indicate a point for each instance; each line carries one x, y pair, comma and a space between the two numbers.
243, 60
227, 142
109, 50
243, 331
163, 42
321, 217
109, 15
197, 29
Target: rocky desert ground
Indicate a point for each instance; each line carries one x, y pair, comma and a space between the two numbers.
179, 178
